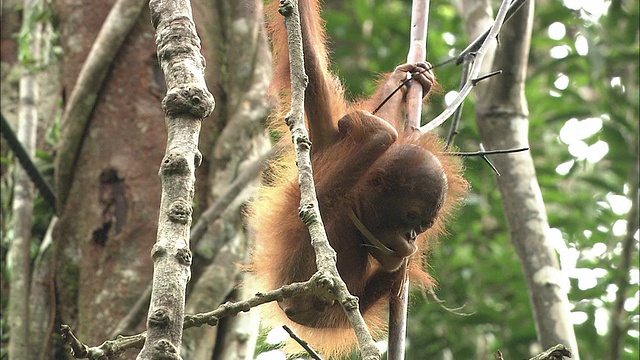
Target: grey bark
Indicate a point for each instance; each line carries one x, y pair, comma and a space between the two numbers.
187, 102
20, 251
502, 118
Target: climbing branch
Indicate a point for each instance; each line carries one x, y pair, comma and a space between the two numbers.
187, 102
329, 281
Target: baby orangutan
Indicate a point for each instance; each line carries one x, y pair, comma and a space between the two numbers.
382, 191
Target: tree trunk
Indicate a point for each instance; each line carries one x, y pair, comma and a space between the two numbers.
108, 223
503, 124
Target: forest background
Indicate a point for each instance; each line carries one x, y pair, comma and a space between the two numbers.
94, 265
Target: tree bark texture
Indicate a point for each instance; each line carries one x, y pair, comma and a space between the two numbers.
107, 227
187, 102
502, 118
23, 196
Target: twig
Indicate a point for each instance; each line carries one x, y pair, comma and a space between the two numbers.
453, 131
403, 84
78, 349
486, 159
487, 152
557, 352
484, 77
440, 302
483, 154
477, 43
470, 51
115, 347
474, 72
302, 343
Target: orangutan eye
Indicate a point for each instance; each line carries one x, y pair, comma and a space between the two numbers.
412, 216
427, 224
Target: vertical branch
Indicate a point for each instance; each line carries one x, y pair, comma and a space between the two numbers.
398, 310
417, 53
20, 251
187, 102
399, 299
309, 209
453, 131
618, 321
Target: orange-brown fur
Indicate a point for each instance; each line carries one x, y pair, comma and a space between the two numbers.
360, 164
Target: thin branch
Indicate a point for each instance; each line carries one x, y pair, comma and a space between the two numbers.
557, 352
301, 342
485, 77
483, 154
417, 53
404, 83
474, 72
486, 159
440, 302
487, 152
469, 52
78, 349
399, 297
453, 131
112, 348
27, 164
477, 43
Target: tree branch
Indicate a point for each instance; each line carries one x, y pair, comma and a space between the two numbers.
187, 102
113, 348
619, 323
474, 73
329, 280
399, 298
